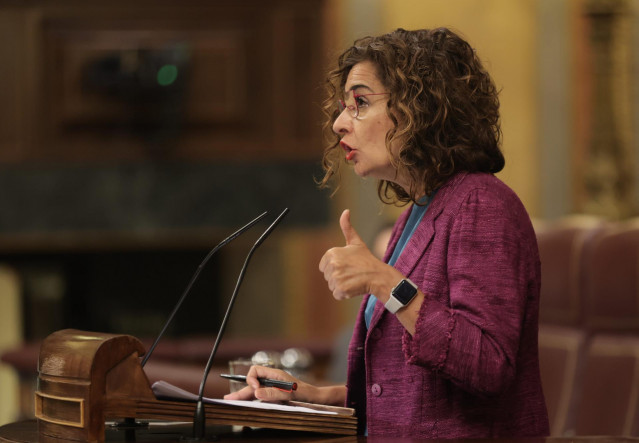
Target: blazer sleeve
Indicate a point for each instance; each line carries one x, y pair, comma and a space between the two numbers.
472, 337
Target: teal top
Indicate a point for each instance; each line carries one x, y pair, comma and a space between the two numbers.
416, 214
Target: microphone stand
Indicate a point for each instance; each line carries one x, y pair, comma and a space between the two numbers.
199, 418
195, 275
129, 423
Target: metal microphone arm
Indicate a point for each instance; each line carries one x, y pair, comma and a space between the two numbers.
197, 272
199, 419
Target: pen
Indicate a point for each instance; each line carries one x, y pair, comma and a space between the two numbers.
288, 386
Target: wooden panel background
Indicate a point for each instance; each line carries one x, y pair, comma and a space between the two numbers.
103, 171
251, 74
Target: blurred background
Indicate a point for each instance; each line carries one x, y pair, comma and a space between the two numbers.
135, 135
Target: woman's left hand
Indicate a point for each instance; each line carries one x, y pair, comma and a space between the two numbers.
353, 270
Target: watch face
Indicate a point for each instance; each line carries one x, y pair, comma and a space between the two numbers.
404, 292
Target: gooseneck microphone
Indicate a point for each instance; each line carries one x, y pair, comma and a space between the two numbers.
195, 275
199, 418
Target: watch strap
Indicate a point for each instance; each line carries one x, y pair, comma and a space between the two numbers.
393, 305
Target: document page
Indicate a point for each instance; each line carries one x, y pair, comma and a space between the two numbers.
166, 391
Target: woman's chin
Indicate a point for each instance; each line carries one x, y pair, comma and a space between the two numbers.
369, 173
361, 172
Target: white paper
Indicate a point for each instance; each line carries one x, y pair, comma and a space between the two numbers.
165, 390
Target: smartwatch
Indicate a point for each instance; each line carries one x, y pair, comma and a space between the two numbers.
401, 295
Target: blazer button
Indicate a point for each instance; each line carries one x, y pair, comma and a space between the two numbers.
376, 389
376, 333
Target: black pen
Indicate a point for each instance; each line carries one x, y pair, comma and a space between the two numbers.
288, 386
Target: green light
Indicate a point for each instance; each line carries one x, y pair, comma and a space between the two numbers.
167, 75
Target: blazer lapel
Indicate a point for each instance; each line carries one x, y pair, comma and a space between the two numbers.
421, 239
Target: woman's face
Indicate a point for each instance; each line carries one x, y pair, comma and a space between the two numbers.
363, 138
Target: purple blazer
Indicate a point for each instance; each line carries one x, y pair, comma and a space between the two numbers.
472, 368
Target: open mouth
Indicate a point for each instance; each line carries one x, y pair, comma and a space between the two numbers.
350, 152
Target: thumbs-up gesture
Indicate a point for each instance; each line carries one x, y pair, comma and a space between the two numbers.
350, 270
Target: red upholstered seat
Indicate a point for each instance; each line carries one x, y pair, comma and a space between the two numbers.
609, 399
561, 352
561, 248
611, 280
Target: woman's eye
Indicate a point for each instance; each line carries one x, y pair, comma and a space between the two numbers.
360, 101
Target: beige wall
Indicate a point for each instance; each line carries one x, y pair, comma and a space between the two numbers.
10, 336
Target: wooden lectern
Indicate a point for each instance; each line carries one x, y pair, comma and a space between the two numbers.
86, 378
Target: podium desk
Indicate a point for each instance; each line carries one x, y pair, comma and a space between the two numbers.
27, 432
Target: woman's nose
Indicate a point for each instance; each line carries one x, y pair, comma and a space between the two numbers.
342, 123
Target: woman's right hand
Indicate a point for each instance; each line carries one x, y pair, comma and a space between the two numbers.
255, 391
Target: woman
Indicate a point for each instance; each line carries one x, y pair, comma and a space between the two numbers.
447, 345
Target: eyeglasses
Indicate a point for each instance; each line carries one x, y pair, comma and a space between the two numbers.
356, 104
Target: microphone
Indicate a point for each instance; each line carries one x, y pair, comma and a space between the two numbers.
199, 418
195, 275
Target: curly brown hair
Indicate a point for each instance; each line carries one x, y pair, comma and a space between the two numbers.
443, 103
